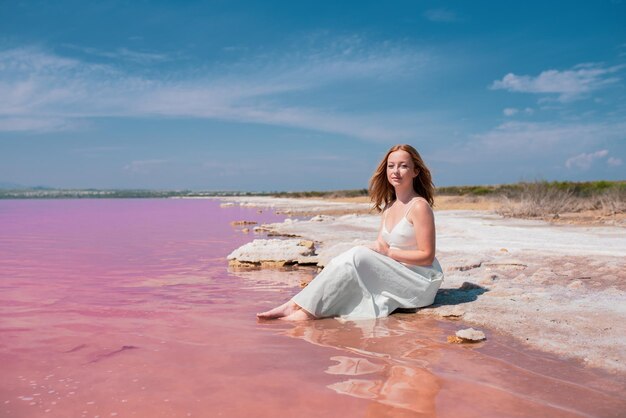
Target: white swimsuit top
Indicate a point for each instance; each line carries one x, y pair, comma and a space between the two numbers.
402, 235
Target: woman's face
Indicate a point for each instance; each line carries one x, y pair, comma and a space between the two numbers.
400, 168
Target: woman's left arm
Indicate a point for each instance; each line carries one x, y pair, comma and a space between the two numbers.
421, 216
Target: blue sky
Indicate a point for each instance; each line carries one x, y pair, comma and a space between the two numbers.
301, 95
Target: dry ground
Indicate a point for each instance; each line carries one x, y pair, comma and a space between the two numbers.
492, 203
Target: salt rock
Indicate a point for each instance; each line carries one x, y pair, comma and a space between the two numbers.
321, 218
467, 265
576, 284
450, 311
237, 223
470, 334
487, 279
509, 264
307, 244
273, 253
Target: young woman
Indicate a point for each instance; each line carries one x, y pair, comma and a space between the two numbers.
398, 270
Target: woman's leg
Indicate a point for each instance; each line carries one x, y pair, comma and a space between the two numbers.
299, 315
289, 310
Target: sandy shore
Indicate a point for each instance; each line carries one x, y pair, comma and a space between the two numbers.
557, 288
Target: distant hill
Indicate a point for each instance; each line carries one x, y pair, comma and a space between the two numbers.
7, 185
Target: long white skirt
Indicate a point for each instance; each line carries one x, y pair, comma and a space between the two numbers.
362, 283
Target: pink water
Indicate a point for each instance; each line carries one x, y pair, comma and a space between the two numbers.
127, 308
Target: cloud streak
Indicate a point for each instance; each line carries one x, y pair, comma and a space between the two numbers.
43, 91
522, 142
124, 54
441, 16
585, 160
532, 137
568, 85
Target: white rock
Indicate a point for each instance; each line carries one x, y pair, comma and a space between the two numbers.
471, 334
322, 218
264, 250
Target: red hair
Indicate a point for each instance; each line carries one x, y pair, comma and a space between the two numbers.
382, 194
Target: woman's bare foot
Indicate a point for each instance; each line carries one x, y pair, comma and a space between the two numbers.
299, 315
285, 309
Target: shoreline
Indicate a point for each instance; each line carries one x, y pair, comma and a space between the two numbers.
555, 288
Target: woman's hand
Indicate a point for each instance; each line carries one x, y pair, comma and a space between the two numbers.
381, 247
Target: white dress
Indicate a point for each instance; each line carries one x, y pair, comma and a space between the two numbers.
361, 283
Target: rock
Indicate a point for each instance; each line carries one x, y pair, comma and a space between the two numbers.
470, 335
450, 311
238, 223
246, 265
467, 265
321, 218
576, 284
273, 253
511, 264
487, 279
470, 286
307, 244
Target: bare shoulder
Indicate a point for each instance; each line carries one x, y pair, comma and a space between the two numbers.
420, 205
420, 211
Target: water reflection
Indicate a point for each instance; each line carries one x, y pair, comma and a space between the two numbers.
403, 366
381, 366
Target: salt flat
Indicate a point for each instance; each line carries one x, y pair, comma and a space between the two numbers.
558, 288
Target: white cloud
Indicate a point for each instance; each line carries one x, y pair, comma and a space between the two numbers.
614, 162
441, 15
38, 124
512, 111
42, 91
525, 144
529, 137
569, 85
584, 160
122, 54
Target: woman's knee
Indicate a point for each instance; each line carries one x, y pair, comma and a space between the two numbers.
361, 254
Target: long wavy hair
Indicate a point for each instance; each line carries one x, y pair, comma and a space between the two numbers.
382, 194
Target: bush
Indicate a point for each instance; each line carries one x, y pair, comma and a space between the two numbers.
539, 199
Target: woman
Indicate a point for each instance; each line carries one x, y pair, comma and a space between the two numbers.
399, 270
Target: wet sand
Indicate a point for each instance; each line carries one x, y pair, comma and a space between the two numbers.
126, 308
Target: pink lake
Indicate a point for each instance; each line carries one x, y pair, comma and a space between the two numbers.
126, 308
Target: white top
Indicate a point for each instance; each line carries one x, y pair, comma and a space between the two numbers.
402, 235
